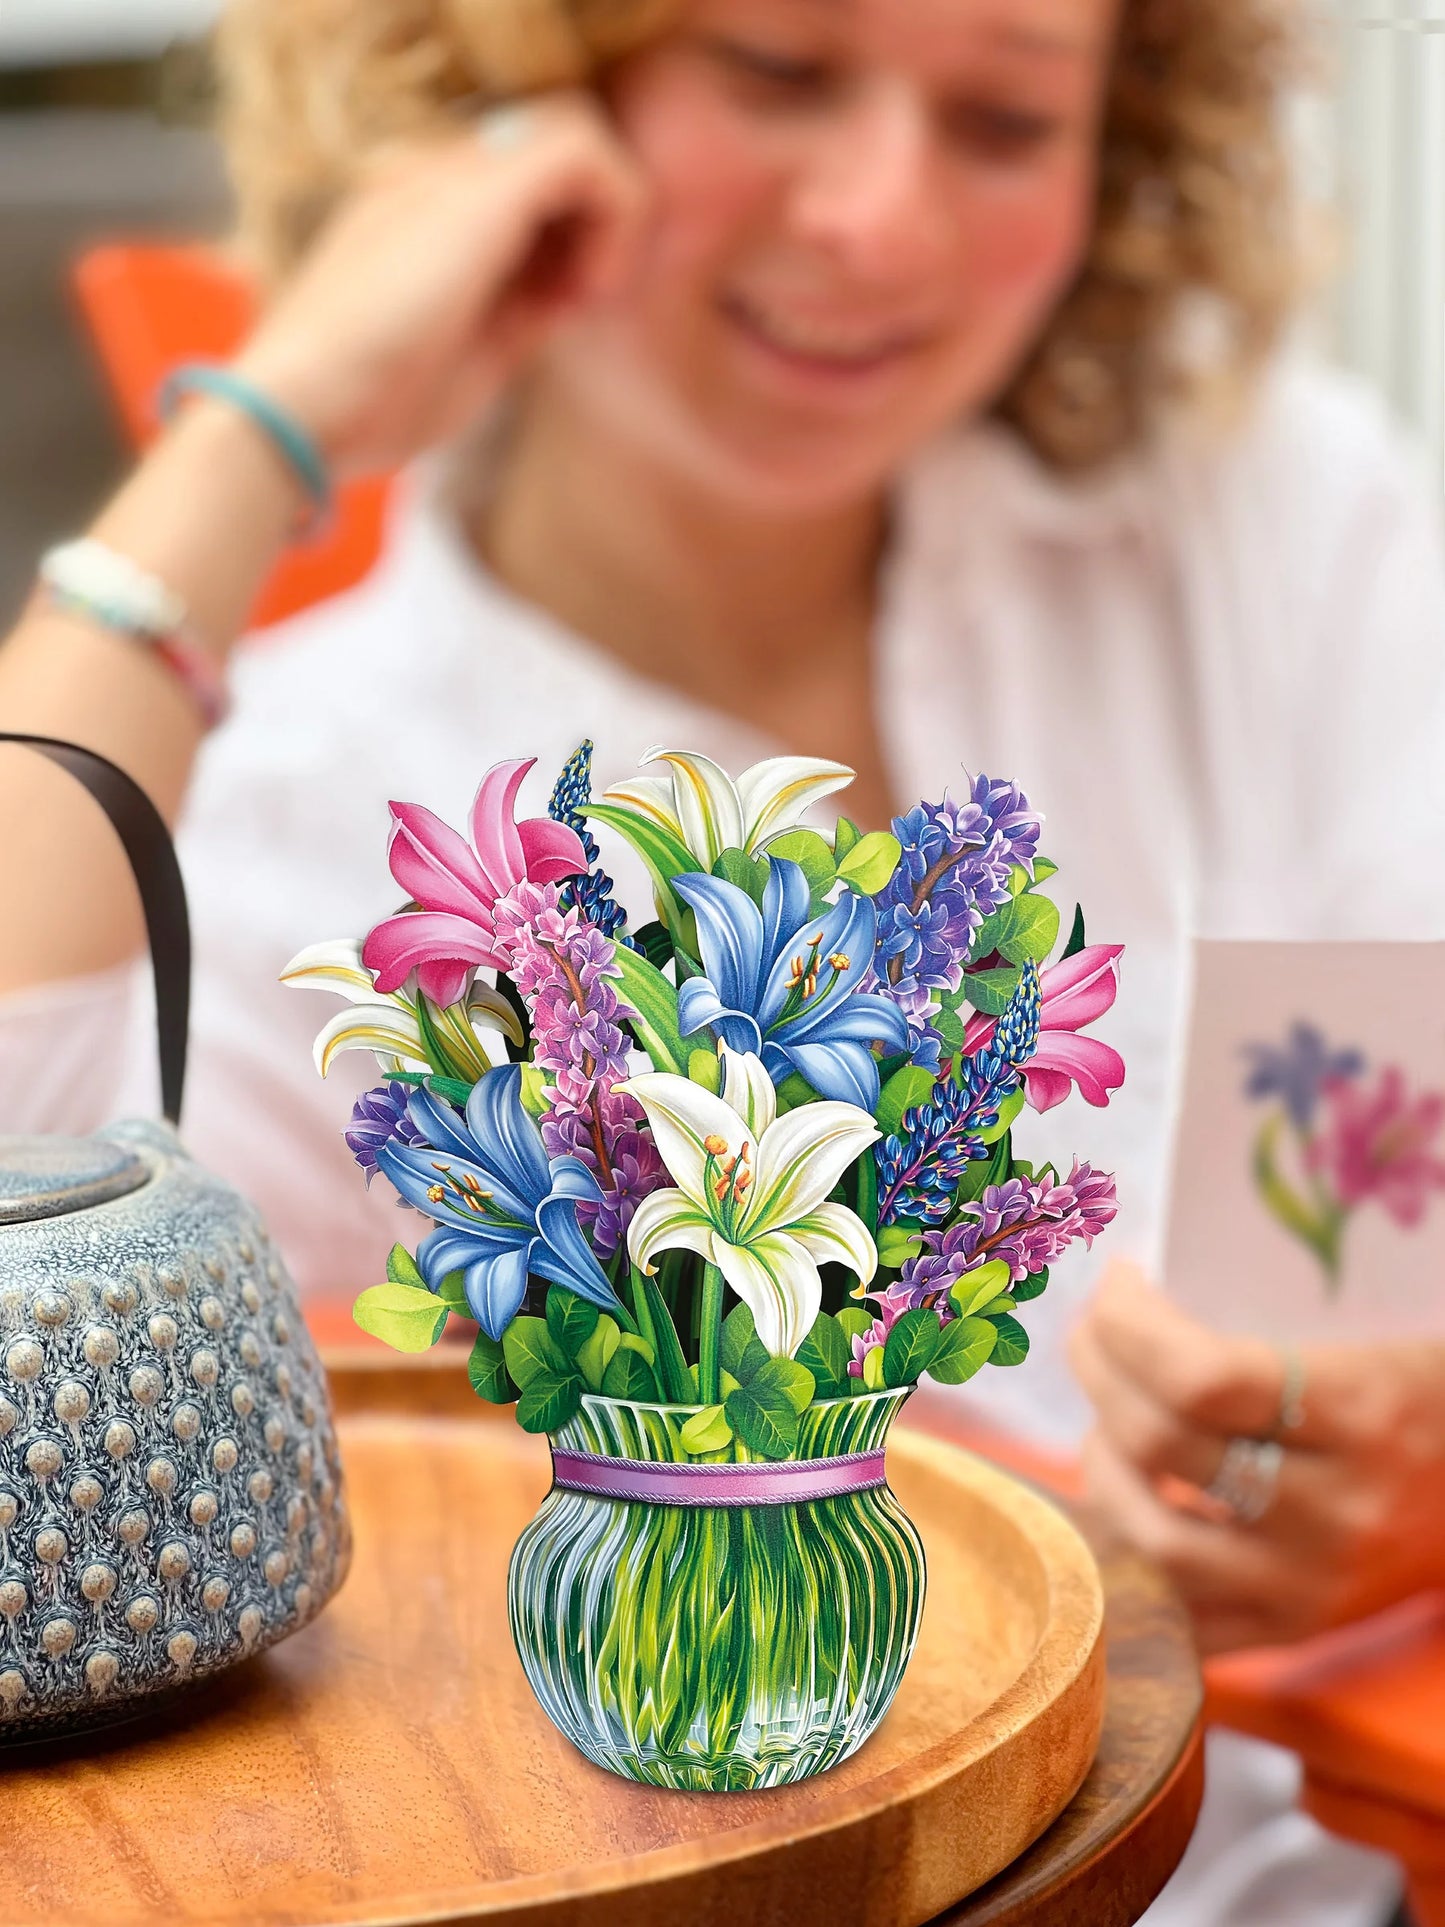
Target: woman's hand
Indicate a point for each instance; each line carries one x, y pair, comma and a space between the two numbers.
437, 280
1358, 1517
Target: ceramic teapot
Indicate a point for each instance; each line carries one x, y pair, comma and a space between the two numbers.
170, 1488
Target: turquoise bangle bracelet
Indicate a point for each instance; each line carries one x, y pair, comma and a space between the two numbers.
290, 439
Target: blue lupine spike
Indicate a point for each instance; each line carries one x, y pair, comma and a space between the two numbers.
919, 1168
592, 893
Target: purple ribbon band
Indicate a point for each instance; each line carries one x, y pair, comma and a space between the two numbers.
786, 1483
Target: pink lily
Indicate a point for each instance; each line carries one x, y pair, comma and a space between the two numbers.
1075, 992
456, 886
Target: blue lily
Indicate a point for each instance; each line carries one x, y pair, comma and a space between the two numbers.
503, 1208
780, 982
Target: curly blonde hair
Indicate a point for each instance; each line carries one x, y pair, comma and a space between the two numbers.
1194, 218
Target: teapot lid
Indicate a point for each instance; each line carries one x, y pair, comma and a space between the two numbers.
47, 1177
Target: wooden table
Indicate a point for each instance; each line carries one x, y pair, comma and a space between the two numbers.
281, 1797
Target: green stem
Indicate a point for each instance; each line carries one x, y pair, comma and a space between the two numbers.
709, 1344
645, 1328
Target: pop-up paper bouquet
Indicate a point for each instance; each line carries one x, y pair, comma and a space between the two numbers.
717, 1191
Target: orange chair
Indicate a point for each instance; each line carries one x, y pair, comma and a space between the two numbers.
1365, 1709
148, 308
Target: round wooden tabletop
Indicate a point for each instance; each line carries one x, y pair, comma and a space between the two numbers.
385, 1766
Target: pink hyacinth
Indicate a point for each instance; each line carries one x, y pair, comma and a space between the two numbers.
1075, 992
1378, 1143
456, 886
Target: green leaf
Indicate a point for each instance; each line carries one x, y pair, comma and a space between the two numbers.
1004, 1302
726, 1380
549, 1401
966, 1345
530, 1348
911, 1344
406, 1317
706, 1431
1013, 1341
487, 1371
665, 855
654, 1001
402, 1269
904, 1091
570, 1319
788, 1376
1076, 934
854, 1322
980, 1173
977, 1288
845, 836
671, 1365
534, 1090
453, 1293
825, 1352
741, 1353
747, 873
794, 1091
596, 1353
1024, 930
897, 1243
871, 862
1019, 879
991, 991
766, 1422
1007, 1112
811, 854
654, 943
873, 1376
1031, 1287
705, 1068
629, 1373
949, 1025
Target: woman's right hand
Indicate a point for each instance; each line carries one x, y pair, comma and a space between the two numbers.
442, 274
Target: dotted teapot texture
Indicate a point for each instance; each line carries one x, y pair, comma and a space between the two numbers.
170, 1489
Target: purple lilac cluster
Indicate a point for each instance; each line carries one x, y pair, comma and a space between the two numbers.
565, 969
1028, 1223
919, 1167
953, 873
632, 1168
378, 1116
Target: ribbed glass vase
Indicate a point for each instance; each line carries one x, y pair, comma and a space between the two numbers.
717, 1647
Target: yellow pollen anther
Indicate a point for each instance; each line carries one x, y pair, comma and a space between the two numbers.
714, 1145
720, 1188
840, 962
436, 1192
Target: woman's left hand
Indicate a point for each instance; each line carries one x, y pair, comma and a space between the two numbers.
1357, 1520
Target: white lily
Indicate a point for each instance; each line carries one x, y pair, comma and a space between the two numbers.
389, 1024
751, 1191
700, 804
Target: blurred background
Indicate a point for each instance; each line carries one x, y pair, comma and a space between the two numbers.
103, 108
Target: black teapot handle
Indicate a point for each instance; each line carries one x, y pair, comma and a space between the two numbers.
152, 855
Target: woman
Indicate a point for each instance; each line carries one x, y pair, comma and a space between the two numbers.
815, 382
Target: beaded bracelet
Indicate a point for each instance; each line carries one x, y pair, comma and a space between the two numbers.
291, 441
87, 579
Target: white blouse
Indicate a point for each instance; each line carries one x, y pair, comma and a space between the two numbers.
1219, 670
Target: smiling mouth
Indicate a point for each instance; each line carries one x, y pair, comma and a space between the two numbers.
836, 348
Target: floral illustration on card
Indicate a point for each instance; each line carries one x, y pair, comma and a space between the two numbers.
1340, 1136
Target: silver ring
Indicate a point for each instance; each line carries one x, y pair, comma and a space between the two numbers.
1247, 1477
506, 127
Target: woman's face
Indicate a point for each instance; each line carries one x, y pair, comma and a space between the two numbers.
864, 212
